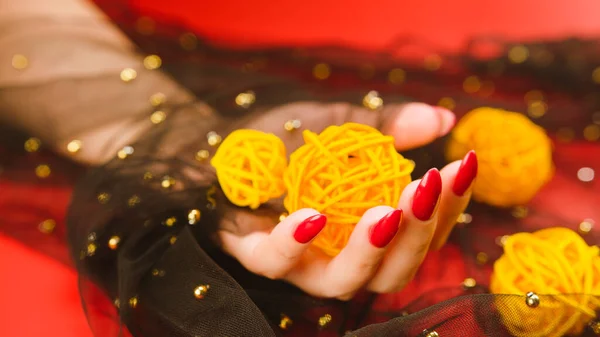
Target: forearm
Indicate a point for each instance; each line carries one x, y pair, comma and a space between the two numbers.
61, 80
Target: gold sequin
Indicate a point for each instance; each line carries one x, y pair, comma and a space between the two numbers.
92, 236
325, 320
172, 239
464, 218
201, 290
19, 61
596, 75
158, 117
245, 99
532, 300
152, 62
103, 198
145, 25
432, 334
482, 258
469, 283
167, 182
520, 212
133, 201
285, 322
471, 84
447, 102
128, 75
194, 216
591, 132
213, 138
125, 152
537, 109
133, 302
501, 240
188, 41
91, 249
74, 146
321, 71
518, 54
586, 226
148, 176
170, 221
32, 144
372, 101
157, 99
202, 155
396, 76
47, 226
433, 62
42, 171
282, 216
117, 303
113, 242
292, 124
158, 272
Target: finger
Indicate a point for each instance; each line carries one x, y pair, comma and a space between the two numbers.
457, 180
274, 254
419, 201
357, 262
417, 124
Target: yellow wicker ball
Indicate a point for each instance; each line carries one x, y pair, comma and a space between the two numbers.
553, 261
250, 166
342, 172
514, 154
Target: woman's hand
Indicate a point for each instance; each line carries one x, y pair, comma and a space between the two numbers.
388, 245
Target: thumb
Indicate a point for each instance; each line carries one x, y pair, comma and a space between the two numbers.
417, 124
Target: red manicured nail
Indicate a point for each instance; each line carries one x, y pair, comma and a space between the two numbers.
385, 229
465, 175
309, 228
427, 195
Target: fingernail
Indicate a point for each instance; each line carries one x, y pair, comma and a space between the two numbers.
427, 195
385, 229
466, 174
309, 228
447, 120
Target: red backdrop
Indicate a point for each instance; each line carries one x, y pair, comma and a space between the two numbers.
38, 296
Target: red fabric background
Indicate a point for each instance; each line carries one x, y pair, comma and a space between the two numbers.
38, 296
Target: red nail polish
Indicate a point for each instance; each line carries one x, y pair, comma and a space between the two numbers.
309, 228
385, 229
427, 195
465, 175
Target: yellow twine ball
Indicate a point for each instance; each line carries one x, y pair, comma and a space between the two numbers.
250, 166
553, 261
514, 154
342, 172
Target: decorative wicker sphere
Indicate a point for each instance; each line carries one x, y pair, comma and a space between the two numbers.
341, 173
558, 273
250, 166
515, 155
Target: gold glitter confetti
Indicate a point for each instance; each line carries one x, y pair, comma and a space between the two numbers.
133, 302
482, 258
321, 71
194, 216
113, 242
42, 171
133, 201
245, 99
128, 75
285, 322
158, 117
167, 182
537, 109
325, 320
213, 138
32, 144
47, 226
172, 240
292, 124
201, 290
520, 212
74, 146
91, 249
202, 155
157, 99
103, 198
170, 221
396, 76
518, 54
586, 226
282, 216
148, 176
152, 62
447, 102
469, 283
19, 61
125, 152
372, 101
